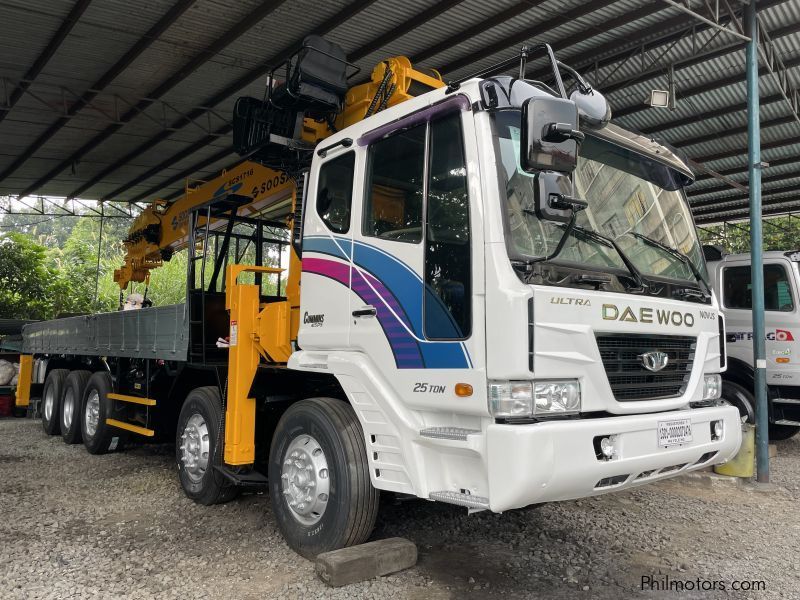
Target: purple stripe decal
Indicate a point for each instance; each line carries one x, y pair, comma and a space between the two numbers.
405, 348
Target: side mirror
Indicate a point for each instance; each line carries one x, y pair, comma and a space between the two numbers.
554, 200
550, 135
594, 110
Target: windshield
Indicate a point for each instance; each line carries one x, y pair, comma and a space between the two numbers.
630, 200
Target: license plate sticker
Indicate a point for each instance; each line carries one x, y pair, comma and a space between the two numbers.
674, 433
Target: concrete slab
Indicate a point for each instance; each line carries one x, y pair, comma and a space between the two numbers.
366, 561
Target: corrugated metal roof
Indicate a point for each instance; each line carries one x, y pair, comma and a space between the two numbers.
625, 47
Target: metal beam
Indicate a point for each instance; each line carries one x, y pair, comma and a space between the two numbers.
694, 60
235, 32
251, 76
717, 204
710, 114
218, 156
703, 88
771, 208
651, 37
526, 34
742, 129
771, 179
132, 54
44, 57
790, 141
707, 21
789, 160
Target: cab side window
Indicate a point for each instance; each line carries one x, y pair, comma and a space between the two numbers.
448, 264
335, 192
737, 288
393, 203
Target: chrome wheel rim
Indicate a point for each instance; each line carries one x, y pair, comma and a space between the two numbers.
195, 447
305, 479
68, 408
91, 415
49, 401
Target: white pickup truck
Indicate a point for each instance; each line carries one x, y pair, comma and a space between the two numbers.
730, 275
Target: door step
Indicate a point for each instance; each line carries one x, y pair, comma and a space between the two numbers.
448, 433
251, 479
787, 422
468, 500
131, 399
785, 401
130, 427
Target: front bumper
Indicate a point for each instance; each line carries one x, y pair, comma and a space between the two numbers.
556, 460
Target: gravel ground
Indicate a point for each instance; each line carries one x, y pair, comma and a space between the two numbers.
118, 526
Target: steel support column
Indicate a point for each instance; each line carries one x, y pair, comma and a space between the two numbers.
756, 242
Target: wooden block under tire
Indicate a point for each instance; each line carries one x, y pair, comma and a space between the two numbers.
365, 561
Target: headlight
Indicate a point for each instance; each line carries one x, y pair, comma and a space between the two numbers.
510, 399
712, 387
556, 397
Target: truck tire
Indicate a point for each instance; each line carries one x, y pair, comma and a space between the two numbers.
71, 402
98, 436
198, 447
51, 400
741, 398
779, 433
319, 480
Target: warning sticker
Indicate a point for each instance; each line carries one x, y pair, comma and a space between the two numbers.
234, 333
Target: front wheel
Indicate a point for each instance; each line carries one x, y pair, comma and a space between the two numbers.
319, 480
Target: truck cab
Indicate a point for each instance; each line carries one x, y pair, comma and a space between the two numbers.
731, 277
475, 323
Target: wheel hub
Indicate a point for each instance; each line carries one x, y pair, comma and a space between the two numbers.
68, 409
305, 480
49, 400
92, 414
195, 447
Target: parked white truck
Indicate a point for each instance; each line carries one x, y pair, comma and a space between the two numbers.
730, 274
495, 298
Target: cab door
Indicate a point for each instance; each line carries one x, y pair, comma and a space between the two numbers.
781, 318
327, 253
413, 276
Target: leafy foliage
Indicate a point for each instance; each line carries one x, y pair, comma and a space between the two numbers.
26, 280
780, 233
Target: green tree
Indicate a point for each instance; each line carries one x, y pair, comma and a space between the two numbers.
26, 281
779, 233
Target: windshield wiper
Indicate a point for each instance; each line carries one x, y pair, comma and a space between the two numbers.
684, 292
641, 285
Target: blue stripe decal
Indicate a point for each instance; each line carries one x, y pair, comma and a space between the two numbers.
406, 286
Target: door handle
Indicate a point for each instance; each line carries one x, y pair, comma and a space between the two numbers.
367, 311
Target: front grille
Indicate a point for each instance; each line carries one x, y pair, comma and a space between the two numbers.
627, 376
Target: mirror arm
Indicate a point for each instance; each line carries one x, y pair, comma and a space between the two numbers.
564, 202
561, 132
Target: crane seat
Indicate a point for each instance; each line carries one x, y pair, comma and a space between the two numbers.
314, 86
316, 80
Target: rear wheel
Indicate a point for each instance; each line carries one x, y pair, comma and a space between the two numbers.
319, 480
197, 447
98, 436
51, 400
74, 387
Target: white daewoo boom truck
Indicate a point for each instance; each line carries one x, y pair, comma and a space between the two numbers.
730, 274
489, 304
